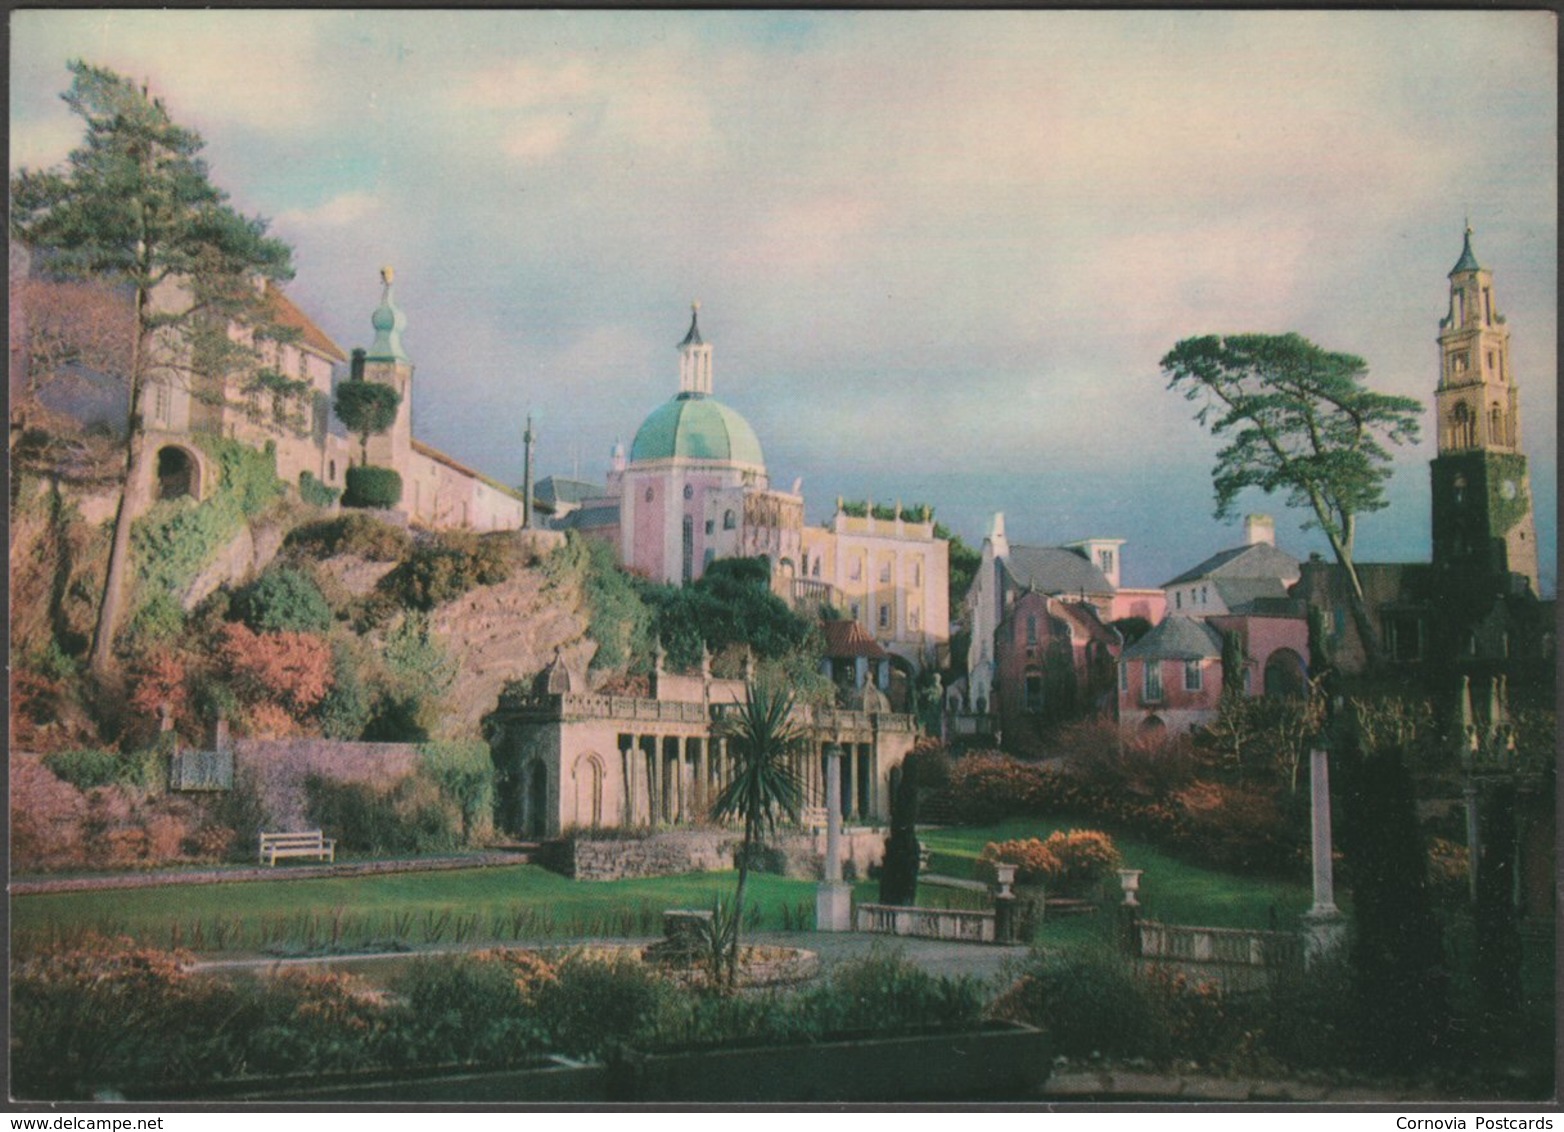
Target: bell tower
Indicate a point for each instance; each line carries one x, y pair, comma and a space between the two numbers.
1482, 510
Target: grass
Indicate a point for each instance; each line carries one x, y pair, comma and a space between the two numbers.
460, 906
527, 902
1170, 890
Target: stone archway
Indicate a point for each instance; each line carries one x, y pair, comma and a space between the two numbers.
588, 775
1285, 674
178, 473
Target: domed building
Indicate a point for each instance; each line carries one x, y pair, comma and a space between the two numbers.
695, 488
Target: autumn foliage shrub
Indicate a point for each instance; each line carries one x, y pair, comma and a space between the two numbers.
290, 670
1071, 863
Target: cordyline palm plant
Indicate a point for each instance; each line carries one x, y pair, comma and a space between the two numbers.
762, 738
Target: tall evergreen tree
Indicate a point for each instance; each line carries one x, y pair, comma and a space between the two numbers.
134, 206
1297, 419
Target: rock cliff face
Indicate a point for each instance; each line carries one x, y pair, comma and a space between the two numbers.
506, 632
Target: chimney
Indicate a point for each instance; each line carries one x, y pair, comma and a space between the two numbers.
1259, 529
996, 536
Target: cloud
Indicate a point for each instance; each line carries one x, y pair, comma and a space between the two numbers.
340, 211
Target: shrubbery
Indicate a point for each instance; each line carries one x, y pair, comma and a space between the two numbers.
316, 493
1070, 863
283, 598
445, 567
409, 817
158, 1027
90, 768
371, 486
363, 535
1225, 826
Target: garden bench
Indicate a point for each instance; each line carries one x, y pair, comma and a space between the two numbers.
308, 844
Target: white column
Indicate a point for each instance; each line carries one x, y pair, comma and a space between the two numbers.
1324, 928
834, 898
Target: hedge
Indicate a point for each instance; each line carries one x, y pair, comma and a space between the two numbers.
371, 486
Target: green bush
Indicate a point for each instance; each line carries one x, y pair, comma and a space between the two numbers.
463, 772
91, 767
410, 817
596, 1004
158, 620
446, 567
371, 486
1091, 1002
316, 493
461, 1009
363, 535
883, 991
347, 708
283, 599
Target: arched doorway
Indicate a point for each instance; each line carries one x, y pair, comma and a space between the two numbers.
537, 799
589, 791
176, 473
1284, 674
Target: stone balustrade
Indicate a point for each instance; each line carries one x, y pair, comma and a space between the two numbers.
927, 923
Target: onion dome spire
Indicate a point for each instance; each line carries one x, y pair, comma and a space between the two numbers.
389, 322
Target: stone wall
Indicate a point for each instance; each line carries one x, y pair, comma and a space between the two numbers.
672, 852
278, 768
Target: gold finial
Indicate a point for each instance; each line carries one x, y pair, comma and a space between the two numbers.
695, 305
387, 273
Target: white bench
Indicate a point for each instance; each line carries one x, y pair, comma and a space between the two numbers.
309, 844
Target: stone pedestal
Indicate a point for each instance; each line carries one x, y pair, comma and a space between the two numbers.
834, 907
1324, 933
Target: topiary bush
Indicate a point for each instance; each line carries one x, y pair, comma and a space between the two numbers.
284, 599
371, 486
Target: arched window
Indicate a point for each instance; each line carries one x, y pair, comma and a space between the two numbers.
649, 494
1463, 427
689, 491
1496, 425
729, 520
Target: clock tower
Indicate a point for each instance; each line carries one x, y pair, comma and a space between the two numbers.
1482, 511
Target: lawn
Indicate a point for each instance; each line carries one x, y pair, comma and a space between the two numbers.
1170, 889
525, 902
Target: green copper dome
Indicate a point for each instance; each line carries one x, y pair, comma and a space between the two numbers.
694, 426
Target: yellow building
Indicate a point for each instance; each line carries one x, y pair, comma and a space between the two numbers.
891, 575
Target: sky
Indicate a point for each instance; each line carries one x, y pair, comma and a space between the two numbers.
939, 254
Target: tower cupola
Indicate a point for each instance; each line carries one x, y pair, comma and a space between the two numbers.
389, 322
694, 359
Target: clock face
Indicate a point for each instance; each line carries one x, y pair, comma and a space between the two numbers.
1508, 489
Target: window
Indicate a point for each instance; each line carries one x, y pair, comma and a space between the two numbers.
688, 565
1034, 691
885, 571
1105, 561
160, 402
1031, 629
649, 495
854, 611
856, 571
1192, 676
1153, 681
912, 619
885, 617
331, 470
1178, 600
917, 573
689, 491
1202, 595
711, 525
728, 521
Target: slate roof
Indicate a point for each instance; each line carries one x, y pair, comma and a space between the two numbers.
1177, 638
287, 314
590, 518
551, 490
1241, 595
1255, 560
1054, 570
1468, 261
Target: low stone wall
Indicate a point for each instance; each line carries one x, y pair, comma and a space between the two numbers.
675, 851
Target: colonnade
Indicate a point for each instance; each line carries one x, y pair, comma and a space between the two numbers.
669, 779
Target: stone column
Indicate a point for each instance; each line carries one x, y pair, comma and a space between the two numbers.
703, 793
627, 760
1324, 929
1473, 837
834, 898
849, 785
678, 780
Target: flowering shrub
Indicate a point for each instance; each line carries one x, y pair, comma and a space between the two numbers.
1071, 863
159, 680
